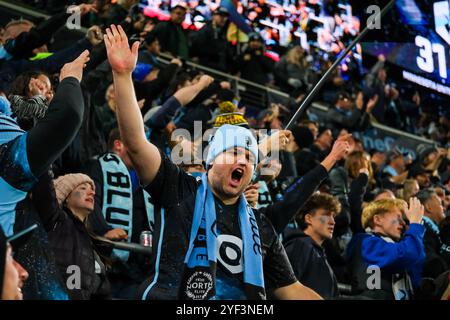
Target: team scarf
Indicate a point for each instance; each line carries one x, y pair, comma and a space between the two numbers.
118, 199
199, 277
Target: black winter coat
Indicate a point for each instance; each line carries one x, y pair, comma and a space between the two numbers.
71, 244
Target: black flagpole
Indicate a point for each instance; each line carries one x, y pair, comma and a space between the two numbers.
327, 74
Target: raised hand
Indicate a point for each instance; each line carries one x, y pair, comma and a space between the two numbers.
341, 147
364, 171
94, 35
415, 211
205, 80
75, 68
121, 58
280, 140
372, 103
177, 61
36, 87
85, 8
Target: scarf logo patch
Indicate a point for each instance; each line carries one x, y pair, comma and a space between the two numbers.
230, 253
199, 285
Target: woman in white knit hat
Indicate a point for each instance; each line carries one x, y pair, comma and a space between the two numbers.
64, 205
76, 193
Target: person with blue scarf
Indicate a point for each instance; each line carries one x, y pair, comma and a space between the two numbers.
208, 242
122, 211
24, 157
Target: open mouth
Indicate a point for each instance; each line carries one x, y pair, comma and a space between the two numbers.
91, 200
237, 175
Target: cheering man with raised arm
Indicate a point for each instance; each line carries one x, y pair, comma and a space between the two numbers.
208, 242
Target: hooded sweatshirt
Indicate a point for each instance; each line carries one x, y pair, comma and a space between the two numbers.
310, 263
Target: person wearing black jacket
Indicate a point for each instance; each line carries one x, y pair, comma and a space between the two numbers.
252, 64
210, 42
31, 153
21, 45
176, 191
436, 259
64, 206
282, 212
345, 116
348, 184
375, 86
171, 34
304, 245
9, 69
26, 156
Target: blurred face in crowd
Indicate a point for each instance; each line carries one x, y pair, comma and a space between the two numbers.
177, 15
255, 45
379, 158
382, 75
430, 158
139, 23
325, 139
314, 129
423, 180
359, 101
398, 163
230, 174
345, 104
81, 200
276, 123
434, 209
321, 223
444, 198
356, 161
298, 53
390, 224
154, 47
219, 20
14, 278
110, 98
413, 188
